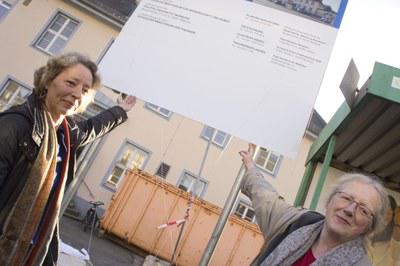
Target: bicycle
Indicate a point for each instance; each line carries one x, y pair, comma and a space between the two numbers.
91, 218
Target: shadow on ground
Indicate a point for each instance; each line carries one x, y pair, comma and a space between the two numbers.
103, 251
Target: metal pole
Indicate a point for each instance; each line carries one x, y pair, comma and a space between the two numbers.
219, 227
174, 254
92, 229
84, 160
305, 184
324, 172
204, 156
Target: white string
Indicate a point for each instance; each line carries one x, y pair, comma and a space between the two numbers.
216, 162
163, 186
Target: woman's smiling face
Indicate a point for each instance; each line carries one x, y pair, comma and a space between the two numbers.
351, 215
65, 92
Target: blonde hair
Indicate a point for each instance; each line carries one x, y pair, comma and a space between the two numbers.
55, 65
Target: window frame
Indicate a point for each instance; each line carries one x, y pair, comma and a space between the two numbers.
248, 206
126, 142
157, 110
100, 102
186, 172
214, 134
263, 168
7, 80
9, 6
46, 27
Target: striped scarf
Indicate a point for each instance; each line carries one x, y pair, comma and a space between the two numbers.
296, 244
23, 220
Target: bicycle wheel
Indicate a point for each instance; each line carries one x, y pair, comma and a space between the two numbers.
88, 220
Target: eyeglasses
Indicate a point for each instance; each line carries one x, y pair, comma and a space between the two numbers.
361, 210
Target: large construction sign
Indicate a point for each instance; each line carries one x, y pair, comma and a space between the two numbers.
250, 68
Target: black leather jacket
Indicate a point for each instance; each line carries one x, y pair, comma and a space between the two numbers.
21, 133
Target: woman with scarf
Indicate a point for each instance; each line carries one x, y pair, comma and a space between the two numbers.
39, 141
293, 236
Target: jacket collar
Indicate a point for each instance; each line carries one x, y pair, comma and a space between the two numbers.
35, 110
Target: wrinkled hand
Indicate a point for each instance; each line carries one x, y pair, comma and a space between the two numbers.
247, 157
126, 103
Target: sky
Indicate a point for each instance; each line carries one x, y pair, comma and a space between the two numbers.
369, 32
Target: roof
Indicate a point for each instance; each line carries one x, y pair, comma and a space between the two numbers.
118, 11
368, 134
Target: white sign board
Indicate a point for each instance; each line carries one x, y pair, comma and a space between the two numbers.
250, 69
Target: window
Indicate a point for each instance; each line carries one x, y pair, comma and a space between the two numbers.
267, 160
56, 35
245, 211
92, 109
190, 183
129, 157
5, 7
159, 110
219, 137
163, 170
12, 93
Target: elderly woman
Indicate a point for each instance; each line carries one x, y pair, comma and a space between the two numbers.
39, 143
296, 237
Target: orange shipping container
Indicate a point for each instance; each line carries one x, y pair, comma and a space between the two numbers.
144, 202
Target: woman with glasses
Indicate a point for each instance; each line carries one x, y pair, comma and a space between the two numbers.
354, 211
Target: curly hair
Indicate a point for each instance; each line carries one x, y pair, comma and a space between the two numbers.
55, 65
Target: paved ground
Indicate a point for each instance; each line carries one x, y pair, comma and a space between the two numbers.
103, 251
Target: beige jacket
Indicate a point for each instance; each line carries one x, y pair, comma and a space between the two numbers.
273, 214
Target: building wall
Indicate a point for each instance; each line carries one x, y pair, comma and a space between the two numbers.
176, 140
22, 26
331, 178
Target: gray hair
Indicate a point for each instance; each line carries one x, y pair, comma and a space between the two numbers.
379, 214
